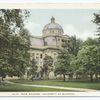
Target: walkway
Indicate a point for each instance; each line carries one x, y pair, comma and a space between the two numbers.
65, 88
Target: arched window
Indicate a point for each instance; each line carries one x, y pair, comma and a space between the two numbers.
41, 56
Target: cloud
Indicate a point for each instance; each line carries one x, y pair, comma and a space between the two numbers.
72, 30
33, 27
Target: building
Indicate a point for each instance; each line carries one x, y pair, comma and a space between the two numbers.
48, 44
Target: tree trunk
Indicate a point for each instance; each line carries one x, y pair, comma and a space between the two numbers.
91, 77
76, 76
70, 76
64, 78
96, 77
48, 76
2, 79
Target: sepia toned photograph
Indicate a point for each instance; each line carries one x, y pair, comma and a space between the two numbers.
50, 51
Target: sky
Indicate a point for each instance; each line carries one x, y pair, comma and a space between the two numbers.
73, 21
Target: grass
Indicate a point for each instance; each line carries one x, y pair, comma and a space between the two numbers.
20, 88
75, 84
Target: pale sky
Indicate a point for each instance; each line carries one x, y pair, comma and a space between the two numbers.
73, 21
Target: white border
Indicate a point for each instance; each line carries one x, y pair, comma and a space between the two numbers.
50, 1
50, 6
51, 94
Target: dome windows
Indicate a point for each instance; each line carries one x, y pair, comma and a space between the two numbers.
52, 28
56, 31
47, 32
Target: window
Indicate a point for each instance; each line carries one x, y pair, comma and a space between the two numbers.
37, 57
37, 53
53, 39
40, 66
56, 31
62, 40
68, 41
45, 43
33, 54
45, 54
51, 31
54, 53
58, 39
41, 56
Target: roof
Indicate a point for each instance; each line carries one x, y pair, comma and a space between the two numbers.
52, 26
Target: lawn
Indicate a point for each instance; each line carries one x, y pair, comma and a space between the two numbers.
20, 88
75, 84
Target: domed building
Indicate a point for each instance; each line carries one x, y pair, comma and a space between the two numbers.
47, 45
52, 28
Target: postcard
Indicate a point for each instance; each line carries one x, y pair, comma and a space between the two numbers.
50, 49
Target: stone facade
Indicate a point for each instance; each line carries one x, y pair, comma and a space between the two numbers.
48, 44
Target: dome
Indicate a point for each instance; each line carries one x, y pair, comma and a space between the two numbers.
52, 28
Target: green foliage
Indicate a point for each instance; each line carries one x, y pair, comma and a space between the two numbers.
13, 45
82, 62
47, 65
63, 63
31, 70
73, 45
19, 56
89, 58
96, 20
66, 61
91, 41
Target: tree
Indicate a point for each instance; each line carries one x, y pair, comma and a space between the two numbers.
89, 59
19, 56
32, 69
96, 20
73, 45
24, 48
11, 21
96, 52
83, 56
47, 65
90, 41
63, 64
96, 43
